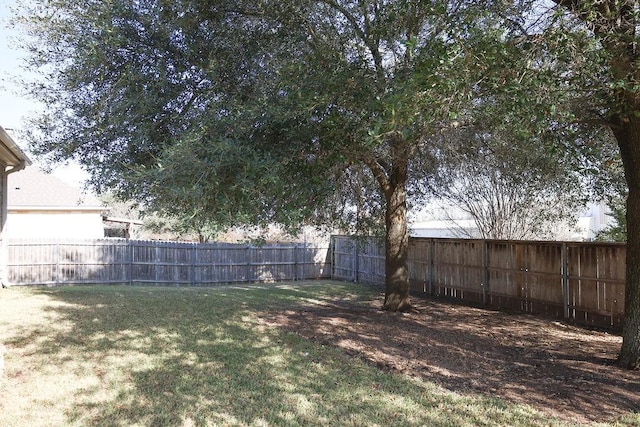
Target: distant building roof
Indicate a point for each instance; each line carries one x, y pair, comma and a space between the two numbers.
34, 189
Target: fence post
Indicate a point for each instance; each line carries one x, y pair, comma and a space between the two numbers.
249, 263
57, 278
356, 267
295, 262
194, 259
156, 262
432, 264
485, 271
4, 277
130, 261
565, 280
332, 255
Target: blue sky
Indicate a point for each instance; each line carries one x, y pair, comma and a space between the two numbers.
15, 107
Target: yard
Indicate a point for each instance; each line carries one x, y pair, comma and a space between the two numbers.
303, 353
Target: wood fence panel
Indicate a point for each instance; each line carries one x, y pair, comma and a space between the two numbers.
34, 263
343, 258
173, 264
446, 271
420, 266
542, 285
96, 262
217, 264
580, 281
502, 269
272, 263
316, 262
371, 267
53, 262
163, 263
596, 282
458, 268
143, 259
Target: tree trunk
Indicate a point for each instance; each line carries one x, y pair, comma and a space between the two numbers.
615, 27
397, 243
627, 132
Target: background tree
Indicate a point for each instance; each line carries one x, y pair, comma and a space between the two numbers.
517, 163
616, 231
511, 188
610, 183
610, 85
260, 111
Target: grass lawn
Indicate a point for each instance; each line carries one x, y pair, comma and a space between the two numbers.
158, 356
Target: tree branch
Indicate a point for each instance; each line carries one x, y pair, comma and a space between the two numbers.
380, 174
371, 44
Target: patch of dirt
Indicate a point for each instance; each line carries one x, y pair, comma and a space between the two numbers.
560, 369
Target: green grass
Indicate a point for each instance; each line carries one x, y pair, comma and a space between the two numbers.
156, 356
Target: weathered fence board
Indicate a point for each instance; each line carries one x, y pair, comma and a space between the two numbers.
343, 255
596, 275
31, 262
580, 281
574, 280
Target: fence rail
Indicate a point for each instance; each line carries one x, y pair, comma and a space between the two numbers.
579, 281
41, 262
583, 282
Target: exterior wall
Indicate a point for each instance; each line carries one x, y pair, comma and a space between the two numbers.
3, 220
450, 229
3, 197
588, 223
54, 224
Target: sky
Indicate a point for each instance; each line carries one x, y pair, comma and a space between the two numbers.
14, 106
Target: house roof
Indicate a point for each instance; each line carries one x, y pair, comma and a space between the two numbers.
10, 154
32, 188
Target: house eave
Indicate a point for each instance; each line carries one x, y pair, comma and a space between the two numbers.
10, 154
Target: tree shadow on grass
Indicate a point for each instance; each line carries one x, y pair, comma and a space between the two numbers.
156, 356
560, 369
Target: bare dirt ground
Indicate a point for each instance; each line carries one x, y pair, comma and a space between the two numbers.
563, 370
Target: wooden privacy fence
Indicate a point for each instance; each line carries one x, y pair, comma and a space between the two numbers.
108, 261
579, 281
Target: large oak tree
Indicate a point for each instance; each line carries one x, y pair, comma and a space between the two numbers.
614, 101
261, 111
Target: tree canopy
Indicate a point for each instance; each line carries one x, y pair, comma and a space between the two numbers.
257, 112
606, 84
329, 111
